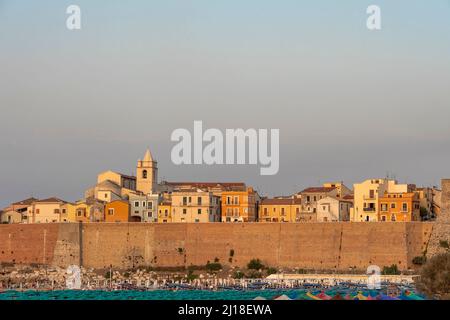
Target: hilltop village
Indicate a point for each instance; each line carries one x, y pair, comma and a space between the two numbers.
118, 197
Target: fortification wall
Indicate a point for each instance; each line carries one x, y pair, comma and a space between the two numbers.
441, 228
338, 246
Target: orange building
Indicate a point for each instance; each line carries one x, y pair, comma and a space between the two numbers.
399, 207
117, 211
280, 210
240, 206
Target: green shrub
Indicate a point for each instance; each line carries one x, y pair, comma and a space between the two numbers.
191, 276
392, 270
238, 274
419, 260
270, 271
214, 266
253, 274
444, 244
255, 264
434, 280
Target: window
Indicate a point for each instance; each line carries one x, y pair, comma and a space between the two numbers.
106, 195
184, 201
184, 211
265, 211
197, 220
315, 198
308, 198
393, 217
405, 207
392, 205
236, 200
56, 211
228, 200
384, 207
144, 174
136, 203
383, 218
63, 210
111, 211
324, 208
282, 211
199, 201
166, 213
150, 205
199, 211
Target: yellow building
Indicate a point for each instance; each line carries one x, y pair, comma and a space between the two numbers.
279, 210
91, 210
367, 195
195, 206
165, 212
240, 206
399, 207
46, 210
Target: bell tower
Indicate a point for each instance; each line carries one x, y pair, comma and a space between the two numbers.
146, 174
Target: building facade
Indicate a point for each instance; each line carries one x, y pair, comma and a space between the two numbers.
279, 210
46, 211
309, 199
144, 208
165, 211
117, 211
240, 206
195, 206
367, 195
401, 207
333, 209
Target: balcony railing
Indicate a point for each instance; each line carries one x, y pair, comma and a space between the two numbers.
369, 209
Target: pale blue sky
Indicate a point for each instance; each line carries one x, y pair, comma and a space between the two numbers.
350, 103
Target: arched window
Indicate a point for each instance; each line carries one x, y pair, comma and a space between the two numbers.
144, 174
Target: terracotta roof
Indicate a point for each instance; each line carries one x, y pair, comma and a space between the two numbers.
50, 200
348, 197
25, 202
208, 184
222, 185
277, 201
318, 190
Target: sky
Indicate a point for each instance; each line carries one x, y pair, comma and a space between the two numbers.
350, 103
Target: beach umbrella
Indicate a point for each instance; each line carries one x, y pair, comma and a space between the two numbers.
323, 296
283, 297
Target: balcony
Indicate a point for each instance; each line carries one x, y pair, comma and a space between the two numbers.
369, 209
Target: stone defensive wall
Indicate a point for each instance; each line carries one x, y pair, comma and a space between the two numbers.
321, 246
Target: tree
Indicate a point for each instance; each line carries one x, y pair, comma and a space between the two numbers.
434, 278
255, 264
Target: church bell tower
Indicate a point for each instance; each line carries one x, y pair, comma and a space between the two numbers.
146, 174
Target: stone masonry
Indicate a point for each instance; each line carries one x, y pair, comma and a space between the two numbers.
441, 228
